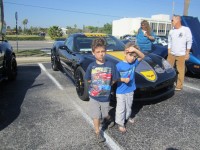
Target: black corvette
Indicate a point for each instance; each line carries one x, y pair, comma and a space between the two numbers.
8, 63
154, 76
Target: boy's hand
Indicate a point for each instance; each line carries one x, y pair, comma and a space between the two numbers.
131, 49
126, 80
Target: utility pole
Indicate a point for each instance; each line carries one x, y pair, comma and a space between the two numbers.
1, 21
186, 6
16, 18
173, 7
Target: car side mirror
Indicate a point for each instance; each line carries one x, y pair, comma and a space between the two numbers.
63, 47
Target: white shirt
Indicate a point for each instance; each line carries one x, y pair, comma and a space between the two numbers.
179, 40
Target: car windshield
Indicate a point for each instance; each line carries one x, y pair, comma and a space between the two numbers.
83, 43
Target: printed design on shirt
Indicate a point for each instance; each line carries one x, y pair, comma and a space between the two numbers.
180, 35
127, 73
101, 79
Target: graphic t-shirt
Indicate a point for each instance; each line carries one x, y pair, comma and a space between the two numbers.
101, 77
127, 70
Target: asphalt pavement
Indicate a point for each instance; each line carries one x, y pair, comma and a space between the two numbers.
42, 111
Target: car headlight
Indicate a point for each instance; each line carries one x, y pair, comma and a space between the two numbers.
167, 66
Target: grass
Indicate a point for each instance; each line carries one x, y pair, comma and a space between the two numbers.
31, 53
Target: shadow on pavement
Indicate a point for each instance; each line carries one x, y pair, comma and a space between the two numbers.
195, 76
12, 94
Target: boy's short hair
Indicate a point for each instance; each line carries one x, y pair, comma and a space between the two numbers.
131, 44
99, 42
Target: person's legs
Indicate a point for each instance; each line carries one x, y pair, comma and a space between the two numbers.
180, 63
129, 102
120, 109
99, 136
104, 106
95, 113
120, 112
96, 122
171, 59
108, 122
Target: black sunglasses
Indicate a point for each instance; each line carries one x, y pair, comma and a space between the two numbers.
172, 20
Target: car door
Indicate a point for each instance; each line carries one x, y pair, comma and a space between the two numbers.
1, 57
66, 55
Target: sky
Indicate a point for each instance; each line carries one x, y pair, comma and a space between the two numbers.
63, 13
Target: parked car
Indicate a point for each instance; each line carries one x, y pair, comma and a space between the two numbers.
8, 63
161, 40
154, 76
128, 37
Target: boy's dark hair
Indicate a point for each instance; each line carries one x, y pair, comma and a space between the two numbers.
131, 44
99, 42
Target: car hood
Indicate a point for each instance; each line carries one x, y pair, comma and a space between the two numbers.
150, 70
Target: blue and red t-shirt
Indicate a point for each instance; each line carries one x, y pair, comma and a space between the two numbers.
101, 76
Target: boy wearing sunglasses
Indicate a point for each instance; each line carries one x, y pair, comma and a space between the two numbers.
126, 84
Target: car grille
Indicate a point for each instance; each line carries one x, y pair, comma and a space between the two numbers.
154, 92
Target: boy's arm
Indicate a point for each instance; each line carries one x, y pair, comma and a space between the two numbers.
126, 80
140, 54
88, 74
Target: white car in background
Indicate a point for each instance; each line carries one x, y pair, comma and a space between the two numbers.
162, 40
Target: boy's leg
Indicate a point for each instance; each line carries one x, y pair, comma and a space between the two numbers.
99, 135
129, 103
120, 109
95, 113
108, 121
96, 125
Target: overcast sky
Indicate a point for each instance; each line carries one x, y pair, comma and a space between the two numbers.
46, 13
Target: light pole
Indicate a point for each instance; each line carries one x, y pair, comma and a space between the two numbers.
186, 7
16, 18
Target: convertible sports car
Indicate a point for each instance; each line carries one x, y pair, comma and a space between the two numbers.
8, 64
154, 76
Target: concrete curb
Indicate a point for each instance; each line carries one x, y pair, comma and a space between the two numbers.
25, 60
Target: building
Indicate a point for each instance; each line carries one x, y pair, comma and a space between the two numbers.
64, 31
160, 24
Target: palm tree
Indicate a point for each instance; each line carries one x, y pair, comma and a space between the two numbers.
186, 6
25, 22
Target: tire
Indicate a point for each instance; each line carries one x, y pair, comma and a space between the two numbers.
11, 68
186, 69
54, 62
81, 84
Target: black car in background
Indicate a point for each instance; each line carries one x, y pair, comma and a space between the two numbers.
154, 76
8, 63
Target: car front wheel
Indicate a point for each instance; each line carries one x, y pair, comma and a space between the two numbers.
81, 84
11, 68
54, 62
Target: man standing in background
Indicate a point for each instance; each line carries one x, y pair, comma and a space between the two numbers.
179, 45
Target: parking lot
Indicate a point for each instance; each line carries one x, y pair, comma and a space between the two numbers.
41, 110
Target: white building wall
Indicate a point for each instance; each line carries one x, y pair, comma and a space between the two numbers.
131, 25
121, 27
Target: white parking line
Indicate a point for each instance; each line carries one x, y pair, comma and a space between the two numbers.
185, 85
112, 144
50, 76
